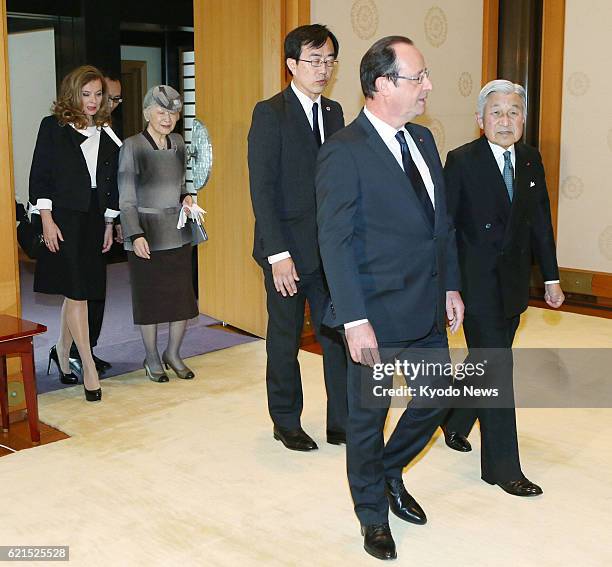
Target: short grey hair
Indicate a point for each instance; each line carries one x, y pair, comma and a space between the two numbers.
501, 86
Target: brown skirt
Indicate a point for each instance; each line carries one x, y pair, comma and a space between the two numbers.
162, 287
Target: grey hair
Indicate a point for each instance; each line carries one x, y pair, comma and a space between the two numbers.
501, 86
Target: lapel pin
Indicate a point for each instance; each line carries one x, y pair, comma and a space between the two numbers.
532, 184
327, 108
421, 140
528, 164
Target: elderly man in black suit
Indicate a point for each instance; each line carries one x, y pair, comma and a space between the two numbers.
390, 258
496, 192
286, 133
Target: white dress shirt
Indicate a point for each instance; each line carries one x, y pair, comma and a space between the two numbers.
498, 154
307, 104
90, 149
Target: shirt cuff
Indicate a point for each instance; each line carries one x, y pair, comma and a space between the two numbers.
278, 257
41, 204
355, 323
111, 214
551, 282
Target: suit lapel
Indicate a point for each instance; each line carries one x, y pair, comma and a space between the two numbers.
76, 138
401, 179
331, 122
522, 180
298, 120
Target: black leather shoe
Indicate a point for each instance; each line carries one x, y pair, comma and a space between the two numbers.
101, 365
295, 439
521, 487
456, 441
378, 541
336, 437
402, 504
64, 378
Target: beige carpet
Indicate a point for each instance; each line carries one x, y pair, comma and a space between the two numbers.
187, 473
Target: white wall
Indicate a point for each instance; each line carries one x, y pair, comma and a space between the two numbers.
32, 79
152, 56
448, 33
584, 228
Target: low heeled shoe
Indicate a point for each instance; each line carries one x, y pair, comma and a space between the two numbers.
183, 373
378, 541
295, 439
402, 504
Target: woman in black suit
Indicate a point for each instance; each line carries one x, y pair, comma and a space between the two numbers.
73, 186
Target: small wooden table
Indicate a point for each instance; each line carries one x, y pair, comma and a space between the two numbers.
16, 338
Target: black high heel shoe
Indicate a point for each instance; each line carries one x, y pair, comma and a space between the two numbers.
185, 373
93, 395
71, 378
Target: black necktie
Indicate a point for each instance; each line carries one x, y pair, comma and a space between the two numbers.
315, 124
413, 174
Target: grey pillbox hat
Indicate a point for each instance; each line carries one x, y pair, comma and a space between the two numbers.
163, 96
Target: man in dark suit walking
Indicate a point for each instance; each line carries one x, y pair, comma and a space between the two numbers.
496, 192
390, 259
286, 133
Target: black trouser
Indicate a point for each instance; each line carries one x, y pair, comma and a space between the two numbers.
499, 444
283, 378
95, 316
369, 460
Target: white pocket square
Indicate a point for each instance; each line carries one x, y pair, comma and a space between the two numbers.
532, 184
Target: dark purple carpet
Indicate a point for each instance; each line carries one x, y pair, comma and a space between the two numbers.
120, 341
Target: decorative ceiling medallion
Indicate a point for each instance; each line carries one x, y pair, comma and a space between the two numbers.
605, 242
578, 83
572, 187
465, 84
364, 18
436, 26
439, 134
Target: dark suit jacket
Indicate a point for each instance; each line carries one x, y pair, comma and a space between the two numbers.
59, 171
382, 258
282, 157
496, 238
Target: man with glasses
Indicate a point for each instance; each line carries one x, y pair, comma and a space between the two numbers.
390, 258
95, 308
286, 133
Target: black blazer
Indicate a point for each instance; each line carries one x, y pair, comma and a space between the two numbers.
496, 238
382, 258
59, 171
282, 158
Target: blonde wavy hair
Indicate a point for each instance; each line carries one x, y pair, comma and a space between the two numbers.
68, 108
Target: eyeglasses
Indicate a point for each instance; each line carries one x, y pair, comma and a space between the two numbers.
115, 99
317, 62
417, 78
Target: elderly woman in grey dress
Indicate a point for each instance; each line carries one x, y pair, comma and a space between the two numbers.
151, 195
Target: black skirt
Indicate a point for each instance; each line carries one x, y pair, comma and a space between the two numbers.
162, 287
78, 269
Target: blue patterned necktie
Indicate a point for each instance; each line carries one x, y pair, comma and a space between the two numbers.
508, 174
